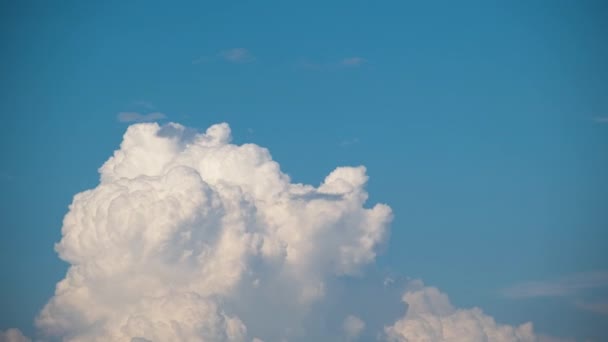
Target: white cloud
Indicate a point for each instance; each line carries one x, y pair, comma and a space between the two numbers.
353, 327
190, 237
353, 61
13, 335
431, 317
563, 286
138, 117
237, 55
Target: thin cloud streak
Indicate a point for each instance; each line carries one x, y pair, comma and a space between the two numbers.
349, 142
138, 117
600, 306
353, 62
601, 119
560, 287
237, 55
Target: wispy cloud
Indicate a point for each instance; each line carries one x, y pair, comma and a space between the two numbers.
597, 306
349, 142
346, 62
237, 55
564, 286
601, 119
234, 55
353, 62
139, 117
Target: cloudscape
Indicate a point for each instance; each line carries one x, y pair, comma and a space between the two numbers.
331, 171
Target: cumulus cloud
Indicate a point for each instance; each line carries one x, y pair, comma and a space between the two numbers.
188, 237
237, 55
353, 327
13, 335
138, 117
430, 317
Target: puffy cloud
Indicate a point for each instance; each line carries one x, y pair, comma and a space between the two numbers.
13, 335
188, 237
431, 317
353, 327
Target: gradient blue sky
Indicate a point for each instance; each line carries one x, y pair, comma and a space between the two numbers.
484, 125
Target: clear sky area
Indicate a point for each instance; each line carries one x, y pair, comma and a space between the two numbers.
482, 127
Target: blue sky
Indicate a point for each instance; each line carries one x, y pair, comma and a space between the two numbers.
484, 125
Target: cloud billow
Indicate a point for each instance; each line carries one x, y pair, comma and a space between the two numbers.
237, 55
182, 226
431, 317
188, 237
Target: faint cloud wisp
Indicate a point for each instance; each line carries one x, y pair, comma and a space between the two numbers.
601, 119
139, 117
563, 286
598, 306
237, 55
353, 327
347, 62
353, 62
573, 288
349, 142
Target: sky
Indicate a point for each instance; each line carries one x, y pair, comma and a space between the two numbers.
482, 126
